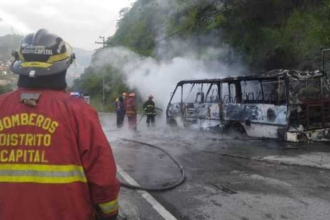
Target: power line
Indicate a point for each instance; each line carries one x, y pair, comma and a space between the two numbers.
108, 26
153, 4
184, 28
161, 27
104, 43
103, 32
114, 18
146, 8
171, 35
178, 31
166, 23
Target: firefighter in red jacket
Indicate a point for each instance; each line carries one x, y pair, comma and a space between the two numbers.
131, 112
55, 161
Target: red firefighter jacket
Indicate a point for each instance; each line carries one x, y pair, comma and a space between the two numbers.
55, 161
131, 107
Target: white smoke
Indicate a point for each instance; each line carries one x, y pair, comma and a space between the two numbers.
11, 24
175, 61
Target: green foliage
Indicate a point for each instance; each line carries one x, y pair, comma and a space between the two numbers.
267, 34
218, 21
307, 31
270, 34
135, 28
5, 88
8, 44
91, 82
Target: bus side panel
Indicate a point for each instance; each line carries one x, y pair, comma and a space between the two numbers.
174, 115
259, 120
201, 116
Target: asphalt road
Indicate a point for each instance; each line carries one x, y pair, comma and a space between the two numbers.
227, 176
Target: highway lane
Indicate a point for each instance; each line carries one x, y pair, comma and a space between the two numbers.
228, 177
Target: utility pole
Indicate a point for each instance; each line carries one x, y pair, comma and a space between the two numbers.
103, 92
103, 41
104, 44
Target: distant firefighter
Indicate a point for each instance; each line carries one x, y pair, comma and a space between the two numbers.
149, 110
131, 112
124, 95
120, 111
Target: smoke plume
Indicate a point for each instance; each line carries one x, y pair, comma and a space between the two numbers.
175, 60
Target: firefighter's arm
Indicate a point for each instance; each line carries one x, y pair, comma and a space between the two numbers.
134, 108
99, 165
145, 106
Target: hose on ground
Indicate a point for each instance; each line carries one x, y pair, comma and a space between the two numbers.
164, 188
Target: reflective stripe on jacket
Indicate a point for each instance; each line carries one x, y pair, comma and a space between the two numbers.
55, 161
149, 107
38, 173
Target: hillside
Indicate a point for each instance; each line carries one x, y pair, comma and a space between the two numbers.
8, 44
252, 36
83, 58
267, 34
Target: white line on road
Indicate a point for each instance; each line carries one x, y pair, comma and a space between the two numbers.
151, 200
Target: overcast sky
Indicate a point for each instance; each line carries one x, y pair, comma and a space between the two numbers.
79, 22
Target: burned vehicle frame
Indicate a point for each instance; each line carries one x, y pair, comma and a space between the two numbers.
283, 104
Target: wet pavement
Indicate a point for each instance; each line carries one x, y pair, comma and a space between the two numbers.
227, 176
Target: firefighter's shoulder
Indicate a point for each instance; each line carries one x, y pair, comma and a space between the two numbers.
79, 106
9, 95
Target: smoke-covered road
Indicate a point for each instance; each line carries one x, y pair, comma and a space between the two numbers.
228, 177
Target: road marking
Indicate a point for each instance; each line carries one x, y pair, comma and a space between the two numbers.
151, 200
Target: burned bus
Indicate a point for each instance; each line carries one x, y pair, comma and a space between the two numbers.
283, 104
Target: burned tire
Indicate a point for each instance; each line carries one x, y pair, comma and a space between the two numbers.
172, 123
235, 127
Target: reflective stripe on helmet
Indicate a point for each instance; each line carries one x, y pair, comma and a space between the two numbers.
36, 64
57, 57
33, 173
51, 59
20, 55
109, 207
69, 49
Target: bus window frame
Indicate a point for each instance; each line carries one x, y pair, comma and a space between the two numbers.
209, 90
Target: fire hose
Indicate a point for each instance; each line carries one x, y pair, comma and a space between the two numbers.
168, 187
159, 109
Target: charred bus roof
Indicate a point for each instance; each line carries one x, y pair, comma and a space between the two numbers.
274, 74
